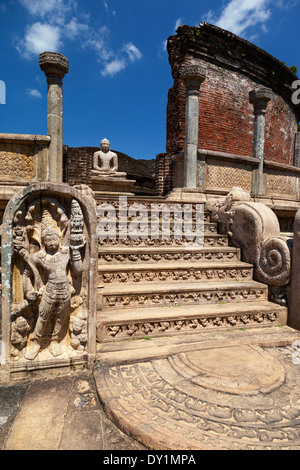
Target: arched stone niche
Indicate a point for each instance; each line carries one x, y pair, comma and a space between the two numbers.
49, 278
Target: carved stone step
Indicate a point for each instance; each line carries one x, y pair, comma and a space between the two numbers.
209, 240
207, 227
123, 325
179, 294
111, 255
175, 272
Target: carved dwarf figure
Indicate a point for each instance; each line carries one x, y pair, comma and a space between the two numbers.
20, 329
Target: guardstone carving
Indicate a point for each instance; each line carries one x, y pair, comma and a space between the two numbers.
47, 273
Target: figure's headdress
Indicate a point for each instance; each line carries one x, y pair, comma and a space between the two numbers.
47, 224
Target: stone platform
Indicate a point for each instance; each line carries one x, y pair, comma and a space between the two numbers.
115, 184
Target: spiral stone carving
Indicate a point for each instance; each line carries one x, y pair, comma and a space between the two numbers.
274, 263
255, 229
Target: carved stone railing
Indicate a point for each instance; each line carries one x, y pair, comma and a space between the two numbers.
218, 172
255, 229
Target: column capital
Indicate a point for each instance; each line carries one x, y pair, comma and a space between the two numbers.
260, 98
193, 76
54, 65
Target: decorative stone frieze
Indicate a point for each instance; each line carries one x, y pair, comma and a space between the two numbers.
176, 274
139, 330
193, 297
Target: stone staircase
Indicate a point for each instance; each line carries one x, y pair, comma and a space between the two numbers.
157, 288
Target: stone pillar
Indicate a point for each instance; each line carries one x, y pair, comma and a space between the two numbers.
55, 66
193, 76
259, 98
297, 150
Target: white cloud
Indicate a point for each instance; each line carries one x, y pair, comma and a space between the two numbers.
35, 93
114, 67
56, 21
165, 42
99, 42
61, 20
238, 15
106, 6
73, 29
40, 37
107, 9
115, 63
54, 9
178, 23
132, 51
38, 7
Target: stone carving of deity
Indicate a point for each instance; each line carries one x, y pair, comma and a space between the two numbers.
46, 277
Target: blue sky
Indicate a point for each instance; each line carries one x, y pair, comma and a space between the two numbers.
119, 73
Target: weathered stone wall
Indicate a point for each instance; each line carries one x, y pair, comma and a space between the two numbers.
23, 157
234, 68
23, 160
78, 163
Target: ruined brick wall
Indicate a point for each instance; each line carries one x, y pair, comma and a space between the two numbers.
78, 165
163, 174
234, 67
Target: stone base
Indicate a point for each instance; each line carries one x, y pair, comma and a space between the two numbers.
187, 195
46, 361
112, 184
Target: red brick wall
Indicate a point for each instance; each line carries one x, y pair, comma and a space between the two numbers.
78, 165
163, 174
234, 67
226, 118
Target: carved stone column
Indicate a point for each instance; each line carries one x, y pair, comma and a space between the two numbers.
297, 150
55, 66
49, 279
259, 98
192, 76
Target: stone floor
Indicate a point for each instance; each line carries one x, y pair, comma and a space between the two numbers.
235, 390
58, 413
